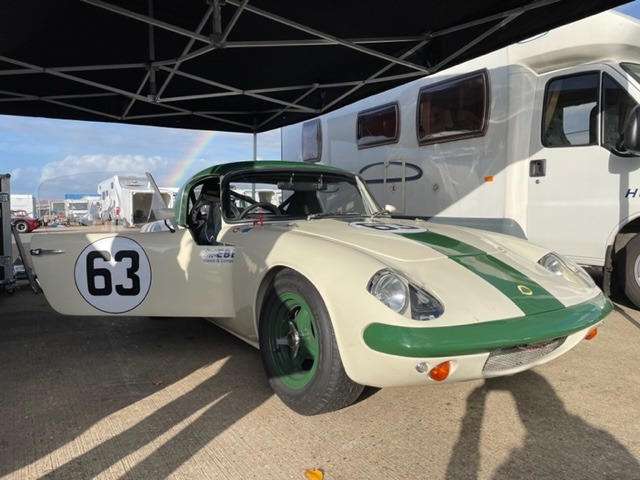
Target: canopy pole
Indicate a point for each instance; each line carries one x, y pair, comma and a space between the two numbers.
255, 146
153, 91
255, 139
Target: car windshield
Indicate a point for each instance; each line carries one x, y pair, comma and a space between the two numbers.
293, 194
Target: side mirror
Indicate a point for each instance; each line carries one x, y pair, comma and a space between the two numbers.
630, 141
389, 208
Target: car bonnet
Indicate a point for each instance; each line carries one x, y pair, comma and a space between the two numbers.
454, 261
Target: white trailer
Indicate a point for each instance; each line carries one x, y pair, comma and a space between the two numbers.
525, 140
128, 199
24, 202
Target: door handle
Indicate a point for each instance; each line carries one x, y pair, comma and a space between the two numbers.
538, 168
43, 251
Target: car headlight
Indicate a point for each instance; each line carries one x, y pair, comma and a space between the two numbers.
563, 267
392, 290
389, 288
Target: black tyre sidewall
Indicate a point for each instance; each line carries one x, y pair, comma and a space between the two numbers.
626, 275
326, 391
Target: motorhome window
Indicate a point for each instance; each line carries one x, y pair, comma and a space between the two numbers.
378, 126
632, 69
570, 111
616, 106
312, 141
454, 109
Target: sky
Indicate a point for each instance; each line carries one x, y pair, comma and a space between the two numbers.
34, 151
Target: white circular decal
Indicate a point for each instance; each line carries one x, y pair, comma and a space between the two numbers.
113, 274
388, 227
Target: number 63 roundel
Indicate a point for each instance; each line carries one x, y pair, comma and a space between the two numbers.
113, 274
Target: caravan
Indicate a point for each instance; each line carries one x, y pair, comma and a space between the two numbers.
128, 199
527, 140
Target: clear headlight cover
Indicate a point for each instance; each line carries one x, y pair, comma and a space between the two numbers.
389, 288
398, 294
423, 305
563, 267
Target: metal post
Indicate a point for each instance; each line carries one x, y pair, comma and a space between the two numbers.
6, 267
255, 146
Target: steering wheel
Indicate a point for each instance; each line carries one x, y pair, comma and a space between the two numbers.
266, 205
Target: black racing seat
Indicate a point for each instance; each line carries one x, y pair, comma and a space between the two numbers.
302, 203
205, 217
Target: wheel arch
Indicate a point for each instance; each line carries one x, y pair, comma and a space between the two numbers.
616, 243
624, 234
261, 293
267, 279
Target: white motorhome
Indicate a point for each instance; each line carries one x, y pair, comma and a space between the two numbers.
24, 202
84, 210
128, 199
526, 140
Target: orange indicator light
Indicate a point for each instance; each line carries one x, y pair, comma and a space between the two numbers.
488, 178
592, 333
440, 371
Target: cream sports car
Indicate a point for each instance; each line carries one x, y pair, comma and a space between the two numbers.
300, 261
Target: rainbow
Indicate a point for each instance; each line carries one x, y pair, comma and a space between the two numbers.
175, 176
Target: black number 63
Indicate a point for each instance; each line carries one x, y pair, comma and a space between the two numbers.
94, 272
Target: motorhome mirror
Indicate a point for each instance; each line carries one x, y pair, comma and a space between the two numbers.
631, 135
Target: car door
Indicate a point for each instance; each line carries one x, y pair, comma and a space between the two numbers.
134, 273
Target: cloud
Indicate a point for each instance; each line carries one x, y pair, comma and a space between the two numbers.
74, 165
81, 174
36, 150
24, 175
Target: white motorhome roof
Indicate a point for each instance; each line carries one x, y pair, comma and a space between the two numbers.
606, 36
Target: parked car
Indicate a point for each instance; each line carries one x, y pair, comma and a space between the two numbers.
24, 222
334, 291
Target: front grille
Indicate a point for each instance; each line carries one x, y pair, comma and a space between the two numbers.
511, 357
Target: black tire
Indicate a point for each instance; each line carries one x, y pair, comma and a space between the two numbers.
628, 264
299, 350
21, 226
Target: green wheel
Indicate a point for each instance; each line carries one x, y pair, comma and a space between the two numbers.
299, 350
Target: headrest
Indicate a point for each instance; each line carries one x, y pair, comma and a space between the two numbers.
211, 187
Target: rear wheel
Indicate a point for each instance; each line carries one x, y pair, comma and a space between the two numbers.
299, 350
629, 270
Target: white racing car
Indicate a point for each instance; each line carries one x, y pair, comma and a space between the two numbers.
300, 261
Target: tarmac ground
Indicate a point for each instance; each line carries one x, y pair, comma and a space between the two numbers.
142, 398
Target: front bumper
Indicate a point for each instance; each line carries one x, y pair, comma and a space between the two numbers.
396, 356
487, 336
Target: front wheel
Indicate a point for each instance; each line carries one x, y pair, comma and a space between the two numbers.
629, 270
299, 350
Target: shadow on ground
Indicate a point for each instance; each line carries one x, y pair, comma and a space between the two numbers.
557, 444
62, 375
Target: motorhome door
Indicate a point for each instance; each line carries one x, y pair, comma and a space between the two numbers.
577, 182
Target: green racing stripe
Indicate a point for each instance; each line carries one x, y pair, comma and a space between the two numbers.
526, 294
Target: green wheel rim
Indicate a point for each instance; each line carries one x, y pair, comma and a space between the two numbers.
293, 340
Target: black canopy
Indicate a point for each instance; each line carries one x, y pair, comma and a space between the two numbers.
242, 65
